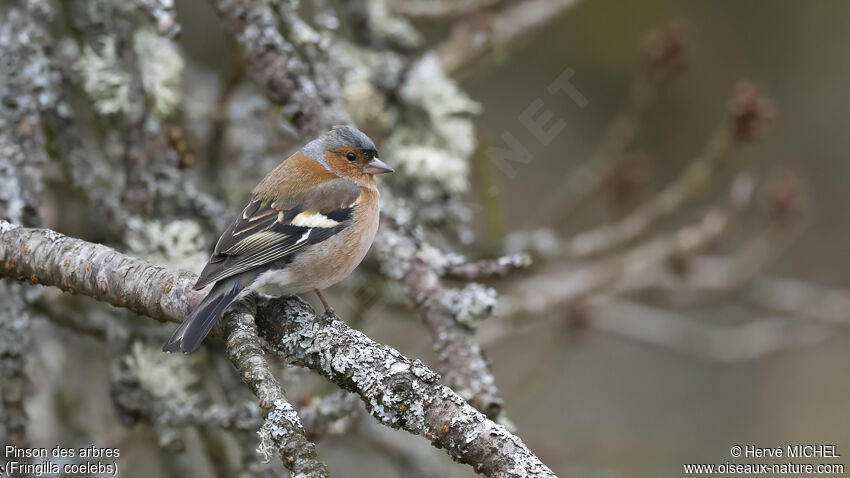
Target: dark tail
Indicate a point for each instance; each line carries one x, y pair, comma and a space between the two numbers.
189, 335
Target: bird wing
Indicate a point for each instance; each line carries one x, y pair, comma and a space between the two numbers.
268, 231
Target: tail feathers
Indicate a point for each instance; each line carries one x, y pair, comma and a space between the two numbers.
189, 335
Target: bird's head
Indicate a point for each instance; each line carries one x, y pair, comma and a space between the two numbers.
348, 152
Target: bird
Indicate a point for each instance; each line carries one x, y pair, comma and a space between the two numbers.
308, 225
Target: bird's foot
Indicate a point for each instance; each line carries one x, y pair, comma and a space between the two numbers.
329, 311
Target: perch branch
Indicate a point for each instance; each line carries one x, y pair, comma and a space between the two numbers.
398, 391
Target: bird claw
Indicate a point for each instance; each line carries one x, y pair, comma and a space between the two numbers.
330, 312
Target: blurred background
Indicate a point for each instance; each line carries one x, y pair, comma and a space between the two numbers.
692, 336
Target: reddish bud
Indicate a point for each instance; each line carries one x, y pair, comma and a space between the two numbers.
666, 50
748, 112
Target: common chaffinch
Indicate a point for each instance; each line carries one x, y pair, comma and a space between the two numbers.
308, 225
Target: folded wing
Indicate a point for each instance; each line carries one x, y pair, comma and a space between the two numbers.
275, 231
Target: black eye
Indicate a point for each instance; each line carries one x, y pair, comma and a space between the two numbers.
351, 156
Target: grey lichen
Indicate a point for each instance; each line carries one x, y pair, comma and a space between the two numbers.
364, 76
106, 83
542, 242
171, 379
7, 226
14, 322
163, 15
393, 391
471, 304
393, 28
179, 244
161, 67
433, 149
26, 88
272, 432
394, 253
429, 87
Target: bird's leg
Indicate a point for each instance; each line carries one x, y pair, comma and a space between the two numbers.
329, 311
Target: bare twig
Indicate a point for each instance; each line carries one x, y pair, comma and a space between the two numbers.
693, 180
665, 55
473, 39
748, 340
499, 267
432, 9
746, 117
631, 269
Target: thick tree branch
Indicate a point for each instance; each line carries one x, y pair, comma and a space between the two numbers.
400, 392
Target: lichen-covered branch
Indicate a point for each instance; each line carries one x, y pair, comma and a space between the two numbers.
400, 392
131, 400
14, 340
282, 430
465, 368
308, 98
25, 88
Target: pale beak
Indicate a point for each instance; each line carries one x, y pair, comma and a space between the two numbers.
376, 166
